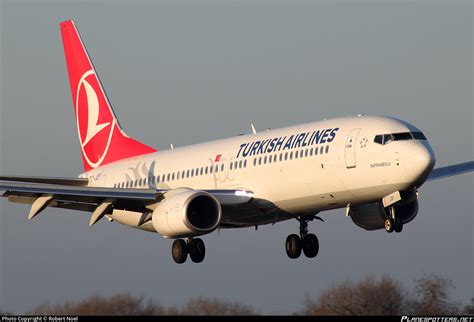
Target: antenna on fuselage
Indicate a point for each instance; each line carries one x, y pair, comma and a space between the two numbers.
171, 145
254, 131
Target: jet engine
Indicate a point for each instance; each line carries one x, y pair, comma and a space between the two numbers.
371, 216
186, 214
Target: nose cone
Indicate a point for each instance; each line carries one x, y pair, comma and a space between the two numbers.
421, 162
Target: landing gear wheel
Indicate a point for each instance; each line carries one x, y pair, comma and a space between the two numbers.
179, 251
293, 246
310, 245
389, 225
197, 250
398, 225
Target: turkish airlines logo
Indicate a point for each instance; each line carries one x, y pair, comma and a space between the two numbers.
95, 125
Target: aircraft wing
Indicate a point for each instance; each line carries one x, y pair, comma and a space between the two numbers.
451, 170
42, 192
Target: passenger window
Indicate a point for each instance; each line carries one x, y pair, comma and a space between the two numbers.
230, 167
265, 160
291, 155
327, 148
286, 156
222, 167
254, 162
311, 152
301, 153
217, 168
281, 157
275, 158
245, 163
172, 176
192, 172
210, 169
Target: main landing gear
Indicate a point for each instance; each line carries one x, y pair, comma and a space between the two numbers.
308, 243
393, 222
193, 246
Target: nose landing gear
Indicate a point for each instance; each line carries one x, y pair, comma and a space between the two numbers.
393, 222
308, 243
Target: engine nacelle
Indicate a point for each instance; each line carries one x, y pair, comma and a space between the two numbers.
186, 214
372, 216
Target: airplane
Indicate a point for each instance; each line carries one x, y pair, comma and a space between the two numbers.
371, 166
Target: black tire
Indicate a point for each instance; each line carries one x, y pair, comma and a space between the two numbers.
293, 246
310, 245
398, 225
389, 225
197, 250
179, 251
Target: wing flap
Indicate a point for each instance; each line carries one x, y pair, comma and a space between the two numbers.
83, 198
78, 191
48, 180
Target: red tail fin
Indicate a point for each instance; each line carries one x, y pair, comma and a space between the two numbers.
101, 138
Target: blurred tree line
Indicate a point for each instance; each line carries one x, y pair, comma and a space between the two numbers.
369, 296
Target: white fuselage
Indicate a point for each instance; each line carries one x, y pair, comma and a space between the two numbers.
321, 171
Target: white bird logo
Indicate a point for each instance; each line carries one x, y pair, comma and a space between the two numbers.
93, 114
93, 128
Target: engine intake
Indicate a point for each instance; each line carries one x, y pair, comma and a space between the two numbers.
372, 216
186, 214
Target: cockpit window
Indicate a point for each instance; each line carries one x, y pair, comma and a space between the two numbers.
403, 136
387, 138
418, 136
378, 139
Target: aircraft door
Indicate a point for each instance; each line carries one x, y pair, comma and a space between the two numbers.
222, 169
231, 168
350, 153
